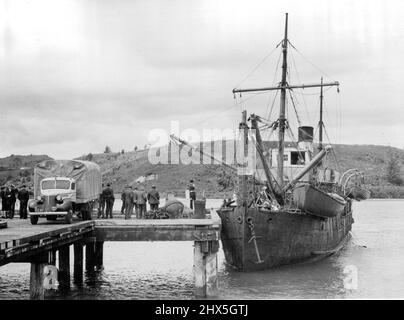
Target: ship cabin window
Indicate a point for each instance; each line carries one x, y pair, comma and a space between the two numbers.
73, 186
297, 158
285, 157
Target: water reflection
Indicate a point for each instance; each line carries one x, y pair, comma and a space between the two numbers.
161, 270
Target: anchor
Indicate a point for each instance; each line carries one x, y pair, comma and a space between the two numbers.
254, 239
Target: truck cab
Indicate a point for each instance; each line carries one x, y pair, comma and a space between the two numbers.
56, 199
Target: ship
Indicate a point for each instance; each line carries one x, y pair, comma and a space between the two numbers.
292, 207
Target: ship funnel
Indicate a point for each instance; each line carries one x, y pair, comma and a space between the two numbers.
305, 141
306, 134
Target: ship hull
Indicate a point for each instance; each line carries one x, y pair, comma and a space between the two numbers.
280, 237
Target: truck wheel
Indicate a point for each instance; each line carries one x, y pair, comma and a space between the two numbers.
69, 217
34, 219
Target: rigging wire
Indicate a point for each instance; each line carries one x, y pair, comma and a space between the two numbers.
298, 77
274, 95
225, 109
332, 150
311, 63
257, 66
294, 107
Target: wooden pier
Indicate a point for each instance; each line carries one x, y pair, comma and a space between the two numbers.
39, 244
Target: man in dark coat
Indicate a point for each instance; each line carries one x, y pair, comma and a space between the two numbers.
141, 199
154, 199
109, 200
129, 201
192, 193
7, 201
23, 197
13, 199
101, 208
123, 194
3, 199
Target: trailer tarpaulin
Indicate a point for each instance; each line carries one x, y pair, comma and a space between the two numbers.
86, 174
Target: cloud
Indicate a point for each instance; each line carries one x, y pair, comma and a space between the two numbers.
79, 75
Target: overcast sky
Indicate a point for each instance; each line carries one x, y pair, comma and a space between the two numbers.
78, 75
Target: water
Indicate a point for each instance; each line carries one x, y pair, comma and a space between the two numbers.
163, 270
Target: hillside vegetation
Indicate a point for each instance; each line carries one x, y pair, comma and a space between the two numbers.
122, 169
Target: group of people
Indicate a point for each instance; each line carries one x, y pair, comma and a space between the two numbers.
132, 198
9, 196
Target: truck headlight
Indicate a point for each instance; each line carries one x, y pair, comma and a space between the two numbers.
59, 198
39, 198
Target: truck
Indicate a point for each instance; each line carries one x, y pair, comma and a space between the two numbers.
64, 189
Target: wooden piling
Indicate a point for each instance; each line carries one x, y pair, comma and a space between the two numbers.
205, 268
98, 254
90, 255
64, 267
78, 263
36, 288
36, 282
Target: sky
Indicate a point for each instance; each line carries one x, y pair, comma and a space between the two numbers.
77, 75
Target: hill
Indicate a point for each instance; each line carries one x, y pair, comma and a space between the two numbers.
18, 169
125, 169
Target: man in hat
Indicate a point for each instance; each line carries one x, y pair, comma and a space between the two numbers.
141, 198
23, 197
3, 198
154, 198
7, 195
129, 200
101, 208
192, 193
109, 200
13, 199
123, 195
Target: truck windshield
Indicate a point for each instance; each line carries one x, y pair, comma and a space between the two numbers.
55, 184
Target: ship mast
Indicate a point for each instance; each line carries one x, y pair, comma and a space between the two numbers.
282, 119
283, 86
320, 122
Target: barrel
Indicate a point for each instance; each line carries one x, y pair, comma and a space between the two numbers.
200, 209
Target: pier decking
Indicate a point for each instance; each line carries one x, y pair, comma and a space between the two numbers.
38, 244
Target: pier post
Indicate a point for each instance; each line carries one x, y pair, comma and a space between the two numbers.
98, 254
205, 268
64, 267
78, 263
36, 282
90, 255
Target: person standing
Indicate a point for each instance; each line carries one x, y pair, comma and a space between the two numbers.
3, 199
154, 199
7, 201
109, 200
129, 200
123, 195
135, 196
23, 197
141, 199
192, 193
13, 199
101, 208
